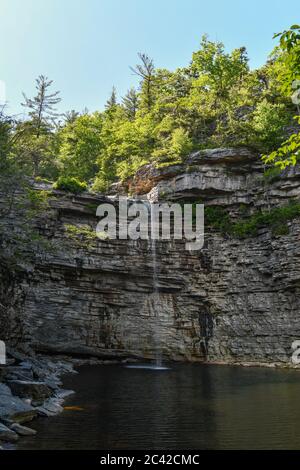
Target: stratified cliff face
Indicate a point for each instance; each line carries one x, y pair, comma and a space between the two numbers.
235, 300
12, 296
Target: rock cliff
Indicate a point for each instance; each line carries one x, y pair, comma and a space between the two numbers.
236, 300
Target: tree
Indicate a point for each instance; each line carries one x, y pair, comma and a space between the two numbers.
111, 103
70, 116
269, 122
41, 107
181, 143
11, 179
80, 146
218, 70
126, 146
146, 71
130, 103
5, 139
289, 44
36, 137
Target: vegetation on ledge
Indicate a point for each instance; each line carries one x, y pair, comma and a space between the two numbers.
71, 184
248, 226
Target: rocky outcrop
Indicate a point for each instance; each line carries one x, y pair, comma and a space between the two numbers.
25, 394
7, 434
233, 301
12, 407
222, 176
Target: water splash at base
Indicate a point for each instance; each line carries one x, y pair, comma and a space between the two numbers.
147, 366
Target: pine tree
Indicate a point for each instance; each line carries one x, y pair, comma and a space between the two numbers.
112, 100
41, 107
146, 70
130, 103
70, 116
35, 137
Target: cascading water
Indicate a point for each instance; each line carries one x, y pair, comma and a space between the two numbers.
157, 326
156, 333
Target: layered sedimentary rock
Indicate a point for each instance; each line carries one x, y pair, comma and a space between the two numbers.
235, 300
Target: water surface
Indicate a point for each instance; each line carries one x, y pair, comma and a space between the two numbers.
186, 407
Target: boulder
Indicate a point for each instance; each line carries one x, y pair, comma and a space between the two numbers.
38, 391
5, 390
63, 393
22, 430
14, 408
19, 373
7, 434
51, 407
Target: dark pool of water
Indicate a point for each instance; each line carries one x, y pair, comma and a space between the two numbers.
186, 407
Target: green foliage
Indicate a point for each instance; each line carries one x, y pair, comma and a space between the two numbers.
276, 218
130, 103
127, 145
80, 146
35, 155
181, 143
82, 230
70, 184
5, 140
38, 200
35, 137
289, 44
174, 148
269, 121
272, 174
289, 75
145, 70
40, 179
218, 71
23, 205
81, 235
216, 101
217, 218
111, 103
286, 155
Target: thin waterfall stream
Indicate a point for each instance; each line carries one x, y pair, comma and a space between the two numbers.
156, 295
156, 333
155, 301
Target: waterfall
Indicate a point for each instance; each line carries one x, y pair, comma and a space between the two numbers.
156, 332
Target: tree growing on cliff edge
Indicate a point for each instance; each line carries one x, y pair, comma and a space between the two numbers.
36, 136
41, 107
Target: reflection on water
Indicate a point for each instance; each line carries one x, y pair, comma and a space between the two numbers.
186, 407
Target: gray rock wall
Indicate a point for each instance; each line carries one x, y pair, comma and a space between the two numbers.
234, 301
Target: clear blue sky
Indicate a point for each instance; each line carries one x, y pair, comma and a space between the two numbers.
86, 46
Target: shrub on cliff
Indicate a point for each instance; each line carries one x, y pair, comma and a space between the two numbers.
71, 184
